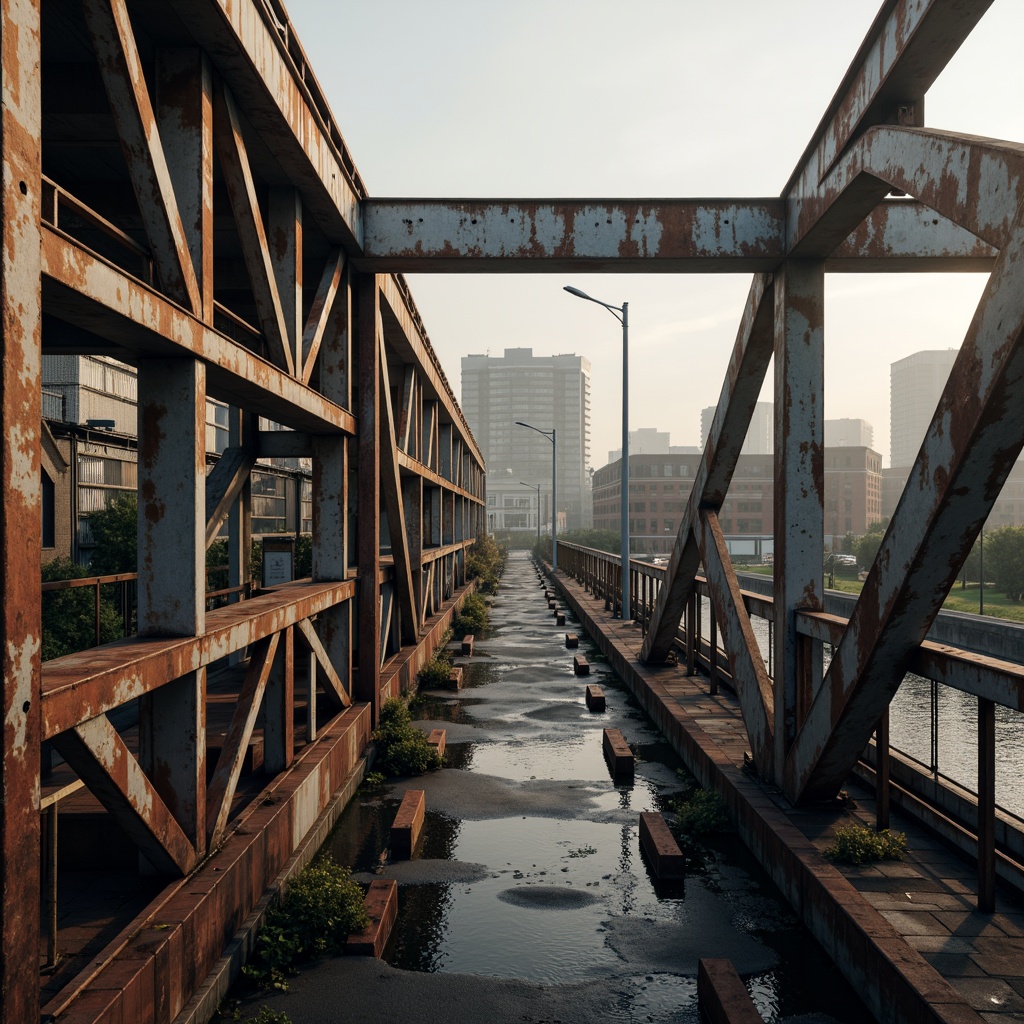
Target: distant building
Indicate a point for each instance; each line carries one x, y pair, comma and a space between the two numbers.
546, 392
760, 438
660, 485
644, 441
846, 433
915, 384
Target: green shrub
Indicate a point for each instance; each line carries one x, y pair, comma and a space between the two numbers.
69, 616
701, 813
858, 844
402, 749
485, 562
320, 908
268, 1016
436, 671
473, 617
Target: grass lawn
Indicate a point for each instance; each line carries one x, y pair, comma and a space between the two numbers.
997, 605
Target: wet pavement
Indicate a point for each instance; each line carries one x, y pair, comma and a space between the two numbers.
529, 899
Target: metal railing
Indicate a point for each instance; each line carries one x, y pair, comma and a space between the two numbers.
944, 802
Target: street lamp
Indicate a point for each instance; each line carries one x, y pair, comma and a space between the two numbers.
550, 435
624, 514
523, 483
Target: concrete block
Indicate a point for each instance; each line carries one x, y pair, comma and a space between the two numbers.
551, 603
572, 641
595, 698
467, 645
617, 754
408, 823
455, 677
559, 618
381, 903
663, 853
722, 998
580, 665
556, 611
437, 739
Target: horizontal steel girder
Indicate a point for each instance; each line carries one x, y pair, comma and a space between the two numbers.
78, 687
663, 235
89, 292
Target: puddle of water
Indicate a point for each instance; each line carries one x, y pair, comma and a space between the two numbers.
567, 896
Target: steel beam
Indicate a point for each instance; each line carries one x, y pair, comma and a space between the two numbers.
123, 78
971, 445
799, 486
751, 355
20, 511
78, 687
753, 687
284, 245
321, 315
85, 290
184, 113
224, 484
368, 343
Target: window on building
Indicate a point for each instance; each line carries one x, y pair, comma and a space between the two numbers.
49, 513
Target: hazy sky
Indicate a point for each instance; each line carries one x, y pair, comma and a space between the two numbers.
654, 98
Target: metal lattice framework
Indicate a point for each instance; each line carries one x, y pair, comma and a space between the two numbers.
176, 194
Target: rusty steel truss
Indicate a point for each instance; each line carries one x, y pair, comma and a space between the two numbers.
176, 194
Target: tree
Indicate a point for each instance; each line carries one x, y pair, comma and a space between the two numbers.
866, 547
1004, 560
115, 531
69, 616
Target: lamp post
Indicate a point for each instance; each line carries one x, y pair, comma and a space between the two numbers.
523, 483
624, 514
550, 435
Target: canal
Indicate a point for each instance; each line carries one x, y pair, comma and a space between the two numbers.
528, 899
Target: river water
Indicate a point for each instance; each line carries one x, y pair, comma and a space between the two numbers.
528, 899
955, 724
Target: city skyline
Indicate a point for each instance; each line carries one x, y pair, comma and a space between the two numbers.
454, 116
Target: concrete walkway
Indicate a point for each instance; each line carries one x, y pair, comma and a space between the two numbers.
905, 933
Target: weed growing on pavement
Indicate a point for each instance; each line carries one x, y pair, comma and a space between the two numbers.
858, 844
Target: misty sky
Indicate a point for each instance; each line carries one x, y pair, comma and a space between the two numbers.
655, 98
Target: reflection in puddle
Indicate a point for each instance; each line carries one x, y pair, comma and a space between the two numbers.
563, 894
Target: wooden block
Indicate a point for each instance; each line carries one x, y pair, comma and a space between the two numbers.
617, 754
595, 698
437, 739
580, 665
455, 677
549, 594
572, 641
663, 853
551, 603
381, 903
408, 823
559, 618
467, 645
722, 998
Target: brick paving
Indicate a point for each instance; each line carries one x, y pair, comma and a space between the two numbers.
940, 959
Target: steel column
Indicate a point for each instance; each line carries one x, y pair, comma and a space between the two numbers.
799, 485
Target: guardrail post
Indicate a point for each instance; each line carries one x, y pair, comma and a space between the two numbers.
882, 772
986, 806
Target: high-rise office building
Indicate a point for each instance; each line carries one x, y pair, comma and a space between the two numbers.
915, 384
848, 433
546, 392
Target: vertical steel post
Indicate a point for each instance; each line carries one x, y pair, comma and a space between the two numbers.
882, 762
172, 578
554, 502
799, 476
367, 341
986, 806
625, 464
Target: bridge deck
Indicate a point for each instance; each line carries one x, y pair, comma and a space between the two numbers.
905, 933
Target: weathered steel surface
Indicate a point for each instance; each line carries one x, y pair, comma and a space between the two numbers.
81, 288
103, 761
123, 78
499, 235
753, 686
20, 511
798, 505
234, 161
78, 687
748, 365
973, 440
332, 681
253, 60
321, 312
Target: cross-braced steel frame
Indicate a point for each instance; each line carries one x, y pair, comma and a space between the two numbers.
176, 194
